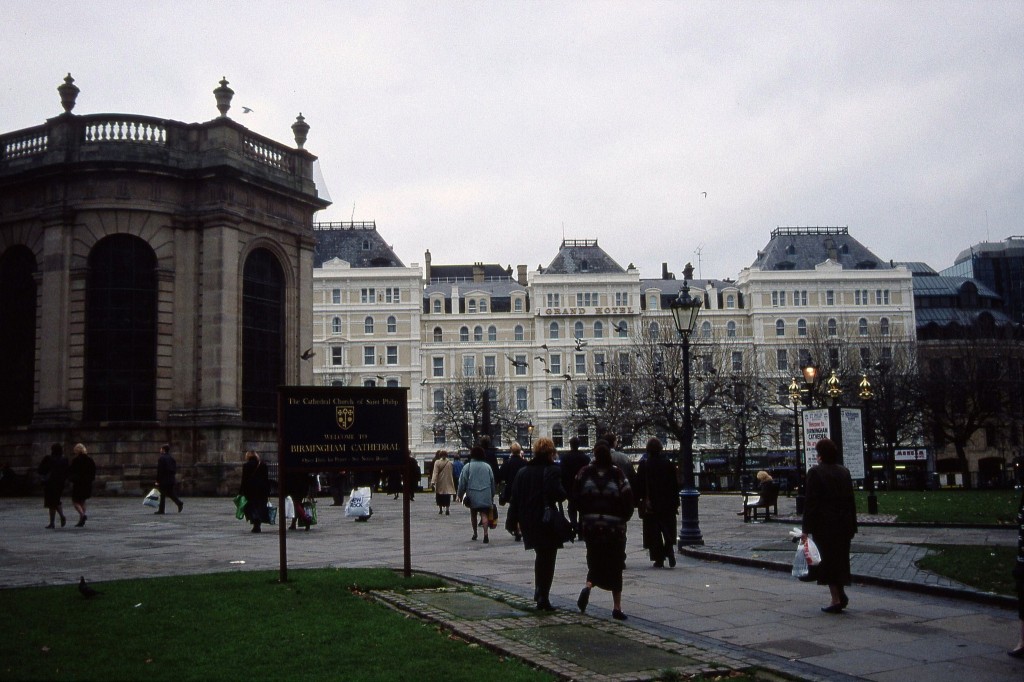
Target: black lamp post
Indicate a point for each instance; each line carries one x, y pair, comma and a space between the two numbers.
866, 394
795, 398
685, 309
810, 373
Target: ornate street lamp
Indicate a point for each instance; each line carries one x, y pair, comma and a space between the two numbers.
795, 398
685, 309
866, 394
806, 397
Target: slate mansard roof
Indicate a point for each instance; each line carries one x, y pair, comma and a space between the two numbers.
802, 248
358, 244
577, 256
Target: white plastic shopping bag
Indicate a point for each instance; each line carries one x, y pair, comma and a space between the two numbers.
289, 508
358, 505
152, 498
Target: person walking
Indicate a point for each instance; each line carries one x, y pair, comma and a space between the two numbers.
658, 493
443, 482
571, 463
537, 486
166, 471
82, 472
1018, 576
507, 474
54, 472
620, 459
830, 518
256, 489
297, 488
605, 502
476, 489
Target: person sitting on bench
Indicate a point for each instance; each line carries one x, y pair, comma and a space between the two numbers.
767, 497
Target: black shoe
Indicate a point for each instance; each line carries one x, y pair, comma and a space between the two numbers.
844, 601
81, 522
1016, 653
447, 512
158, 512
63, 521
659, 564
833, 608
671, 559
618, 615
51, 527
256, 529
545, 606
583, 599
519, 538
486, 540
181, 505
440, 511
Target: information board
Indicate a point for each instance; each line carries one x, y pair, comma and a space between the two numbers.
852, 430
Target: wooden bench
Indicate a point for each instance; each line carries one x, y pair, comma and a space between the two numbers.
767, 499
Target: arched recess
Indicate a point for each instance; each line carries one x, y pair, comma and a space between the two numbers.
120, 330
18, 338
263, 335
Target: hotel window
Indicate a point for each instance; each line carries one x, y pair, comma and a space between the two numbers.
599, 363
392, 295
468, 365
737, 361
577, 331
369, 355
368, 295
490, 366
598, 330
862, 327
581, 397
801, 327
492, 333
624, 363
471, 305
705, 330
622, 329
780, 328
730, 329
652, 302
521, 401
337, 355
392, 383
621, 298
464, 334
782, 360
439, 438
392, 325
520, 365
517, 305
830, 297
883, 326
804, 356
800, 298
438, 364
555, 363
730, 302
586, 299
653, 331
478, 333
860, 297
833, 327
437, 306
519, 332
336, 325
581, 363
438, 399
335, 296
553, 300
553, 330
438, 335
882, 297
392, 355
865, 358
483, 305
557, 435
368, 325
556, 398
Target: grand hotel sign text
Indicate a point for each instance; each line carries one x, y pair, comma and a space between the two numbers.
580, 311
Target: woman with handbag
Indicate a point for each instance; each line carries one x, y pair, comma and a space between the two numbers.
830, 517
443, 482
605, 503
537, 487
658, 486
477, 488
256, 489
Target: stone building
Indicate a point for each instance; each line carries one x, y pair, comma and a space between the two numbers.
156, 281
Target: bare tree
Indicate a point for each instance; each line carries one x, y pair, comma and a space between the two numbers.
471, 403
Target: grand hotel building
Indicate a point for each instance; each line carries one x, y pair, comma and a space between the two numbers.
538, 334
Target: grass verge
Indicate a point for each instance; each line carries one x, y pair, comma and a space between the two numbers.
985, 568
946, 506
232, 626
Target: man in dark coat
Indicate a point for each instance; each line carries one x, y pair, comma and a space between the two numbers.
571, 463
658, 492
166, 471
506, 475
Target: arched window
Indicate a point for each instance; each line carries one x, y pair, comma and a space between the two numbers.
862, 327
478, 333
336, 325
492, 333
438, 335
368, 325
262, 335
437, 306
833, 328
780, 328
883, 326
653, 331
730, 302
622, 329
801, 327
483, 305
519, 332
121, 331
471, 305
553, 330
705, 329
517, 305
464, 334
730, 329
392, 325
598, 330
577, 330
18, 338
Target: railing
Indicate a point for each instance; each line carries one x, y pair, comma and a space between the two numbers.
364, 225
268, 153
125, 129
25, 143
794, 231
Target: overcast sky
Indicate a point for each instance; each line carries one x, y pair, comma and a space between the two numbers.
487, 131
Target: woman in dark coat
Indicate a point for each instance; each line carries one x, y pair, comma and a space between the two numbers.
54, 471
537, 485
605, 503
830, 518
658, 483
83, 473
256, 488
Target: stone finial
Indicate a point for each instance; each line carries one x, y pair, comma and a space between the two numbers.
68, 92
223, 95
301, 129
688, 272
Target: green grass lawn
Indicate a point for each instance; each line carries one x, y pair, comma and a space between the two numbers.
946, 506
235, 626
986, 568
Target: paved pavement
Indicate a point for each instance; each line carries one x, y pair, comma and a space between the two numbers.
714, 613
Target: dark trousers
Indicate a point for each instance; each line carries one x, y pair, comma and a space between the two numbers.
544, 572
167, 490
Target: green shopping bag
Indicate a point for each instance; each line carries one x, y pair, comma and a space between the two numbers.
240, 503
